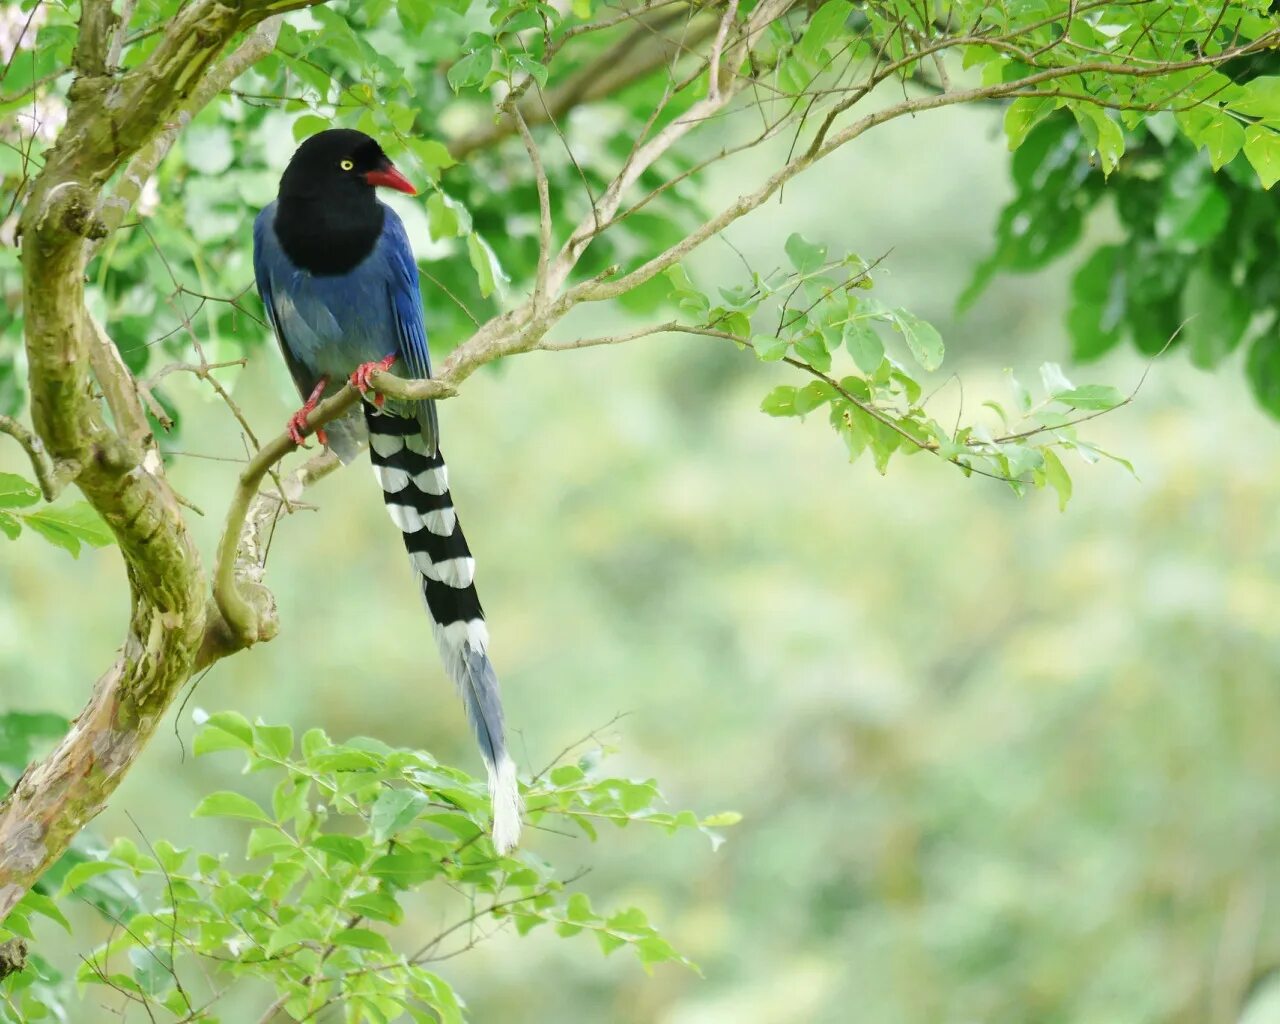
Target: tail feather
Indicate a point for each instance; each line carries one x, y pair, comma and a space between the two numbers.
415, 487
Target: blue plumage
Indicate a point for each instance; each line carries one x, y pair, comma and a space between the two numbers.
333, 323
337, 277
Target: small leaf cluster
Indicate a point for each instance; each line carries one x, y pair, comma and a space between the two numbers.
1197, 268
352, 834
66, 526
1197, 265
819, 312
1215, 112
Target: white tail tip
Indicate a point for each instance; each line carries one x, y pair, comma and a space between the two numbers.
504, 794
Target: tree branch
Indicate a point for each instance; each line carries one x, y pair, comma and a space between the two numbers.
544, 208
109, 120
642, 52
50, 476
112, 211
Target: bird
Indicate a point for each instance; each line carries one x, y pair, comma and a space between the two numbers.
337, 277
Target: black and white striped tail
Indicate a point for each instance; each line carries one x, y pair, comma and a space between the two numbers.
415, 486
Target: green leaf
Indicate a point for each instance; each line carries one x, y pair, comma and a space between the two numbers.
45, 907
226, 730
535, 69
86, 870
769, 347
1263, 370
275, 740
1219, 133
1259, 97
722, 820
308, 125
378, 905
578, 909
566, 775
811, 396
1098, 302
442, 218
1056, 476
482, 262
1091, 397
826, 25
922, 338
394, 810
864, 345
15, 492
1102, 133
470, 69
1262, 147
435, 155
71, 526
226, 804
1023, 115
405, 869
812, 348
345, 848
303, 928
781, 401
805, 256
265, 841
362, 938
436, 991
1191, 217
1217, 316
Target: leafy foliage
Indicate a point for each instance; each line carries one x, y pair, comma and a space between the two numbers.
351, 835
431, 101
819, 312
1197, 263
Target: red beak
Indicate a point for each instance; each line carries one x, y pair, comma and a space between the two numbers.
391, 178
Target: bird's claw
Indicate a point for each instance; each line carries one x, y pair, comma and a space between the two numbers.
298, 423
361, 376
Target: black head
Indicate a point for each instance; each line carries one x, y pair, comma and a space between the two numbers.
340, 165
328, 218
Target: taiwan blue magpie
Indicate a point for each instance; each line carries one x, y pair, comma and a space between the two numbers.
339, 282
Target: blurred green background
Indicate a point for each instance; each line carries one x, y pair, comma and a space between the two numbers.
997, 763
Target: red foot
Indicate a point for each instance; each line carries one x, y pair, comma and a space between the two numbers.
360, 377
298, 421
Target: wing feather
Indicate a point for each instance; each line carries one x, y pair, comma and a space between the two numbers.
406, 303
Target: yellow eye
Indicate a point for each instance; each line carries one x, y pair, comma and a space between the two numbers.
346, 165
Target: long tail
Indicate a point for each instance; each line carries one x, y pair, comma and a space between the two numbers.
415, 487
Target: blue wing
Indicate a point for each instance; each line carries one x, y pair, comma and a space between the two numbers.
406, 301
266, 252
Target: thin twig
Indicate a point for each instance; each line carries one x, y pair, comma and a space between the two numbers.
544, 207
49, 476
